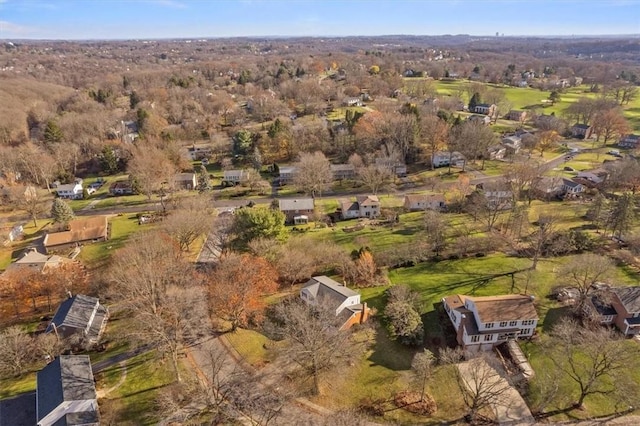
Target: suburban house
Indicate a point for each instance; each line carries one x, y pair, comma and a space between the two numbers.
516, 115
121, 187
352, 102
622, 308
199, 151
497, 152
486, 109
582, 131
186, 181
417, 202
443, 158
485, 120
79, 315
394, 166
483, 322
234, 177
322, 289
512, 144
496, 193
66, 393
71, 191
547, 187
34, 261
343, 171
297, 210
129, 131
82, 230
629, 141
365, 206
286, 175
595, 176
571, 188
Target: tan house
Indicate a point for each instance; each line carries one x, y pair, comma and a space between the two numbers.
322, 289
343, 171
517, 115
34, 261
416, 202
81, 231
297, 210
483, 322
581, 131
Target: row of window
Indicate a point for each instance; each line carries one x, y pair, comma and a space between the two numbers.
489, 337
509, 323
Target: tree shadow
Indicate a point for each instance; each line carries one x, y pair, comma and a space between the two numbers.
554, 315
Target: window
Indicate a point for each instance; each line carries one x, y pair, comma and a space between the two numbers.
525, 331
528, 322
488, 325
503, 324
488, 337
475, 339
513, 323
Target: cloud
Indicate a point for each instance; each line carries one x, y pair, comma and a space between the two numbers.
11, 30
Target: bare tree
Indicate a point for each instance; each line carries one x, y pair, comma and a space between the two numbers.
422, 366
583, 272
435, 226
595, 359
150, 170
374, 177
313, 173
16, 351
546, 230
220, 235
314, 341
610, 124
189, 221
161, 292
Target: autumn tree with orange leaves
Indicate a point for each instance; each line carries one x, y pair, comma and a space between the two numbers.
237, 287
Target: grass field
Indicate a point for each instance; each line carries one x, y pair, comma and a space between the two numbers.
122, 226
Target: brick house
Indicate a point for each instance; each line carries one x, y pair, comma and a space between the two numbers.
622, 308
297, 210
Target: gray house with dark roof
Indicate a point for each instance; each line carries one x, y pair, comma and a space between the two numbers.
66, 393
322, 289
82, 315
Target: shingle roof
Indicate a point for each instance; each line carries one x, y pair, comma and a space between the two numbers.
367, 200
75, 312
84, 229
291, 204
504, 308
323, 287
67, 378
629, 297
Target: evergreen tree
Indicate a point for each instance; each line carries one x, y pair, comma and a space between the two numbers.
242, 142
61, 212
204, 184
475, 100
52, 133
622, 214
134, 99
108, 160
275, 128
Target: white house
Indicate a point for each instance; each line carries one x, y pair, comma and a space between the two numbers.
571, 188
483, 322
629, 141
66, 393
322, 289
443, 158
486, 109
72, 191
234, 176
512, 143
424, 202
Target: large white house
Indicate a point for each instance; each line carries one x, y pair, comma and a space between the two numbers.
71, 191
483, 322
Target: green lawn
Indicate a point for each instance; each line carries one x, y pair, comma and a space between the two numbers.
11, 252
15, 386
251, 345
122, 226
134, 403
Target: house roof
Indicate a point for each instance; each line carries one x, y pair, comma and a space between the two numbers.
347, 205
570, 183
430, 198
287, 169
67, 378
75, 312
84, 229
342, 167
292, 204
323, 287
120, 184
179, 177
602, 307
36, 261
68, 187
581, 126
509, 307
83, 418
368, 200
629, 297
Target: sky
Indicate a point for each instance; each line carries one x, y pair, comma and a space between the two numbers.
147, 19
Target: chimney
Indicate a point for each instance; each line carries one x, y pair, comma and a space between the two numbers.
363, 315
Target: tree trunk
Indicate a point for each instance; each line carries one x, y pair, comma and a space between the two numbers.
174, 359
